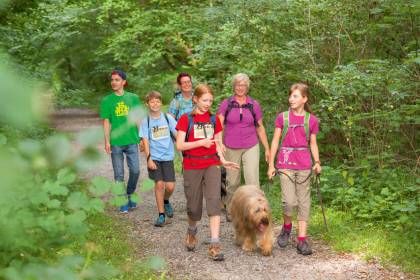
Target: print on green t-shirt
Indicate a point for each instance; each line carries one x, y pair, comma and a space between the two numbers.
117, 109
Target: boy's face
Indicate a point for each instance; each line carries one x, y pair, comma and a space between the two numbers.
154, 104
117, 83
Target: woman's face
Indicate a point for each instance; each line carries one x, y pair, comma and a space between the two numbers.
204, 103
297, 100
185, 84
241, 88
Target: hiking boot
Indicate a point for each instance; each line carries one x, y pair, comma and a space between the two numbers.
124, 209
190, 240
168, 210
131, 204
304, 248
283, 237
160, 221
215, 252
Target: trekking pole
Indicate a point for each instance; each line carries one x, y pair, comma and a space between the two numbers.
317, 181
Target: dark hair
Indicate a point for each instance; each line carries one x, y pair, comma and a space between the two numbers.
200, 90
304, 90
181, 75
120, 73
153, 95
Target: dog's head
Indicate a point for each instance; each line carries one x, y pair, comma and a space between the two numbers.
259, 213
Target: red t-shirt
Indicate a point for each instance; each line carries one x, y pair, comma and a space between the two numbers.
202, 128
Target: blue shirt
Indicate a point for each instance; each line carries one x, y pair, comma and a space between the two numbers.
157, 132
180, 106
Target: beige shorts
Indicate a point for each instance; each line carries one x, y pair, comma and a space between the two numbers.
199, 183
298, 195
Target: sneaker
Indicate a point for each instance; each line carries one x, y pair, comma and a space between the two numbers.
131, 204
304, 248
168, 210
283, 238
215, 252
124, 209
190, 240
160, 221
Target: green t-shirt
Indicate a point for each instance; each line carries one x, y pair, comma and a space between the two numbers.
117, 109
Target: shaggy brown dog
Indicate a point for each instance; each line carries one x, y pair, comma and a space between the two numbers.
251, 217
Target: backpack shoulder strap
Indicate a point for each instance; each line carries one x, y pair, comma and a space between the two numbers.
190, 125
148, 128
285, 126
169, 127
306, 125
213, 121
251, 109
229, 108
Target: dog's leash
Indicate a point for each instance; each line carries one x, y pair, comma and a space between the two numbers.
317, 183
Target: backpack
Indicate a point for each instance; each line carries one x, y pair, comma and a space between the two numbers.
249, 106
190, 126
286, 125
169, 127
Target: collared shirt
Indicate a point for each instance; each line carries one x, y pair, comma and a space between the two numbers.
179, 106
240, 134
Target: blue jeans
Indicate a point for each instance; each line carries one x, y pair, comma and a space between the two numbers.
132, 154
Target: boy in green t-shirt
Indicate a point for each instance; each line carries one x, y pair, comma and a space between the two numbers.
121, 135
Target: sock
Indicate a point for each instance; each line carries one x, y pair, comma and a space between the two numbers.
287, 227
214, 240
302, 238
166, 201
162, 214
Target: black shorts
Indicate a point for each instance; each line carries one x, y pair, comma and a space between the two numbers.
165, 171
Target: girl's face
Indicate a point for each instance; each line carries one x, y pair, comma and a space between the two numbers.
204, 103
297, 100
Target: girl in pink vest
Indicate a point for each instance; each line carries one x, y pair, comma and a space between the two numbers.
296, 131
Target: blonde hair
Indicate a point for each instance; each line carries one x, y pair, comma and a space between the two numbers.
153, 95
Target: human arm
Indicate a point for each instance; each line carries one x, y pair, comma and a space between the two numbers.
150, 163
315, 154
273, 151
263, 138
107, 132
220, 153
181, 145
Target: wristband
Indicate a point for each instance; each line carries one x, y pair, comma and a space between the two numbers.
317, 161
148, 157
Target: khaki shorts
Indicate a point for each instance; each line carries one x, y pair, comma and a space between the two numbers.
199, 183
296, 196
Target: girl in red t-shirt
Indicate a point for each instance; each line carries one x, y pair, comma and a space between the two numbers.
200, 140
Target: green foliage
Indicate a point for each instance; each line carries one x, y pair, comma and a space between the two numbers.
361, 59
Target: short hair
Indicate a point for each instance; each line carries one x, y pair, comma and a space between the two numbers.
181, 75
240, 77
153, 95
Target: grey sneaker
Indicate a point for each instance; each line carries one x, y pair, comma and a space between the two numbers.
283, 237
304, 248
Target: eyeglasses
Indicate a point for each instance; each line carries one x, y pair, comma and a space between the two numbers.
185, 82
241, 85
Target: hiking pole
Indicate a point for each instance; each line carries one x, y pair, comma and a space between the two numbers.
317, 181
